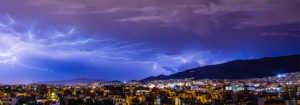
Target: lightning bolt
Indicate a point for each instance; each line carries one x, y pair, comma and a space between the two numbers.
71, 44
11, 60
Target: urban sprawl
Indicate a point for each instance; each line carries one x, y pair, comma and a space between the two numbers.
283, 89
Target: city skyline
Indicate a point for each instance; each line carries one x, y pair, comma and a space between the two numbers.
135, 39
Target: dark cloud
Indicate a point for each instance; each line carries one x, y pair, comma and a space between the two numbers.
148, 37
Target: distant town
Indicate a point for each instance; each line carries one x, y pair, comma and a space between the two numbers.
283, 89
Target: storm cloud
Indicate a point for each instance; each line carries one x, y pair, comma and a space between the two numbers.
65, 39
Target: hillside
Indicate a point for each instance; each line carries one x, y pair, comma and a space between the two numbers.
239, 69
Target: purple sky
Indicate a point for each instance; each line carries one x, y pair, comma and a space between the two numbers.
133, 39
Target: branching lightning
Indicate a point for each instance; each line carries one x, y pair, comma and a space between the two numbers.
70, 44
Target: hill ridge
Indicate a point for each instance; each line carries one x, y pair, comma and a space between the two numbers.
238, 69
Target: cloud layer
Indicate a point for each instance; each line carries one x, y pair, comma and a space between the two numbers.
64, 39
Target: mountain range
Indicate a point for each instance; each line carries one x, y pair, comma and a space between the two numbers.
72, 82
238, 69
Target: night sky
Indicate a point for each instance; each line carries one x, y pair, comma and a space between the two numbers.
133, 39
